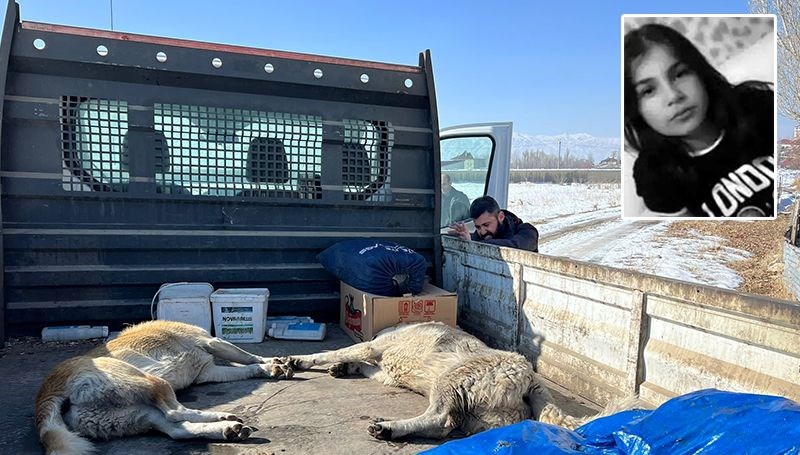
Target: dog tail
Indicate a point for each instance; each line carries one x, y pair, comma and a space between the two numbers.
546, 411
56, 438
543, 409
620, 404
554, 415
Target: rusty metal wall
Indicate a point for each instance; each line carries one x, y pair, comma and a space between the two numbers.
605, 333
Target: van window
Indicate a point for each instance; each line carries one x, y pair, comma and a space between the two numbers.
366, 160
95, 156
210, 151
232, 152
465, 165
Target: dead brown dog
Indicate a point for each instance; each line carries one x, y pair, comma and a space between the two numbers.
128, 387
469, 385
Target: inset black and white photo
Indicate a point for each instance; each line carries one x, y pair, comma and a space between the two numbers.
699, 116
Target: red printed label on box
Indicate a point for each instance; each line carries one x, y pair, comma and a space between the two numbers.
404, 307
430, 307
352, 316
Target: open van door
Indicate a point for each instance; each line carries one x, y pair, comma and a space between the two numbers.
476, 159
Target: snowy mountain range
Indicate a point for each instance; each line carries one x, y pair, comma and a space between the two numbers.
580, 145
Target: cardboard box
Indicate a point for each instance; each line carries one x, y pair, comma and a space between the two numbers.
362, 315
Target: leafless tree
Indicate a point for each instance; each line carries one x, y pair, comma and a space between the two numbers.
788, 13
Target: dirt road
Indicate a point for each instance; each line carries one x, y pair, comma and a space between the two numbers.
742, 255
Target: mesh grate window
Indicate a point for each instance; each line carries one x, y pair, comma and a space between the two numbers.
267, 161
93, 144
232, 152
366, 160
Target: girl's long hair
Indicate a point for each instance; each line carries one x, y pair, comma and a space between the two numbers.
724, 112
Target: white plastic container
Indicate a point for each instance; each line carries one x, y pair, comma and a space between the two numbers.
310, 331
286, 320
73, 332
185, 302
239, 314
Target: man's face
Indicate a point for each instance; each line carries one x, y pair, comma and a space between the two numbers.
445, 184
488, 223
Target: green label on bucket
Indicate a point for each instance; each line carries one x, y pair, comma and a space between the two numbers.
237, 309
237, 330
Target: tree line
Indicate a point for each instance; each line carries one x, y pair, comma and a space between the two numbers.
539, 159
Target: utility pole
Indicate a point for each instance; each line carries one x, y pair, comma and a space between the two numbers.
558, 166
111, 7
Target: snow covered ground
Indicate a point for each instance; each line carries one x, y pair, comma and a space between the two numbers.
786, 196
583, 222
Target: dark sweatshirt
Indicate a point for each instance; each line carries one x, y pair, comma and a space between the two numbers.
736, 178
513, 233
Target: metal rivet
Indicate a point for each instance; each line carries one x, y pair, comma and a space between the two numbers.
39, 43
408, 83
161, 57
269, 68
318, 73
365, 78
216, 62
102, 51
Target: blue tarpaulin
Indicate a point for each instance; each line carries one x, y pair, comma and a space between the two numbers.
708, 422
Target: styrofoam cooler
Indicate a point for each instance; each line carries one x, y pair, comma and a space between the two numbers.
239, 314
185, 302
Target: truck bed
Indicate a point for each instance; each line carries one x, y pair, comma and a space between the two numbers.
311, 413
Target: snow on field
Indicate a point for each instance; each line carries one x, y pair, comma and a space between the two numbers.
538, 202
786, 194
583, 222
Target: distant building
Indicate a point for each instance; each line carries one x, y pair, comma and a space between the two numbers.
612, 162
465, 161
785, 146
789, 151
465, 155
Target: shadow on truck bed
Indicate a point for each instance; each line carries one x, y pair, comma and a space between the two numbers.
312, 413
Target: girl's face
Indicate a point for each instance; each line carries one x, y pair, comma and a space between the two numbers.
672, 98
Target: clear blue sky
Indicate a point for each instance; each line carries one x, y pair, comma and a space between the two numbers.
550, 67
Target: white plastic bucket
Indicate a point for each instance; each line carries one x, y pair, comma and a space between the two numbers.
185, 302
239, 314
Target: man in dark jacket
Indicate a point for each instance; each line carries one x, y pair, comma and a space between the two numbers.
455, 204
498, 227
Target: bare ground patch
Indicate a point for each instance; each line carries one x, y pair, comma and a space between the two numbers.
762, 273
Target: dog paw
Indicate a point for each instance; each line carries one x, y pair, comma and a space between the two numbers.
295, 363
237, 432
337, 370
379, 430
281, 370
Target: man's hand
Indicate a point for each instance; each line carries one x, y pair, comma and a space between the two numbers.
459, 230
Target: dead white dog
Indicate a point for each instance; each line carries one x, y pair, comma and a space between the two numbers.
469, 385
128, 387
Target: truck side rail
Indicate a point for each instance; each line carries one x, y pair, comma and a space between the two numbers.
606, 333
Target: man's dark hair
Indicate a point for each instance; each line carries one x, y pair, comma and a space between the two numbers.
483, 205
